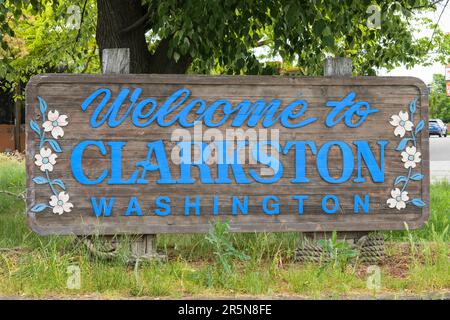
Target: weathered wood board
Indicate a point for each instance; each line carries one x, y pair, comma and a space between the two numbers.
352, 154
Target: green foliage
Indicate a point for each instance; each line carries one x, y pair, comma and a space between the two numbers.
219, 238
36, 38
337, 253
439, 102
220, 35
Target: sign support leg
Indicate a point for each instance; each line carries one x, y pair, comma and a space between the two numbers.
370, 247
142, 247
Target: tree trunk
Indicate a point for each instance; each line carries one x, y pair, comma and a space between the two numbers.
113, 17
118, 27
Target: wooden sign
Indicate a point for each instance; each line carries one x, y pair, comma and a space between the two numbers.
149, 154
447, 87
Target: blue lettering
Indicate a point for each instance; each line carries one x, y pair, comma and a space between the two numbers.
191, 205
335, 206
271, 161
133, 207
358, 202
162, 203
243, 207
116, 165
300, 200
274, 208
156, 148
300, 158
76, 162
347, 162
102, 207
361, 109
364, 153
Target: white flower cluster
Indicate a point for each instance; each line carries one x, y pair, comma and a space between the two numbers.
398, 199
46, 159
402, 124
61, 203
410, 158
54, 124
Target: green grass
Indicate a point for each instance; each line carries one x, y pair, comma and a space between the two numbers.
12, 174
218, 264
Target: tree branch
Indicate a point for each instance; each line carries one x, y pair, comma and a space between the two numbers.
263, 43
137, 24
437, 24
81, 21
427, 6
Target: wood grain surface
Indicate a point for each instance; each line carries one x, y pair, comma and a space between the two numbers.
65, 93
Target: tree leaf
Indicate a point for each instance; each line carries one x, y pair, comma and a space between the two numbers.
418, 202
176, 56
55, 145
39, 207
35, 127
401, 146
328, 41
318, 27
40, 180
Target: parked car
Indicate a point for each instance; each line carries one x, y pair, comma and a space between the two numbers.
437, 127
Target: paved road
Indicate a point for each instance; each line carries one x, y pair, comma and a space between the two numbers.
440, 158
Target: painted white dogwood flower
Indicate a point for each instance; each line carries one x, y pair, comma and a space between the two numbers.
402, 123
398, 199
45, 159
54, 124
61, 203
410, 157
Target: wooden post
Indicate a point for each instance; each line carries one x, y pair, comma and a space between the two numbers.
340, 67
17, 117
117, 61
